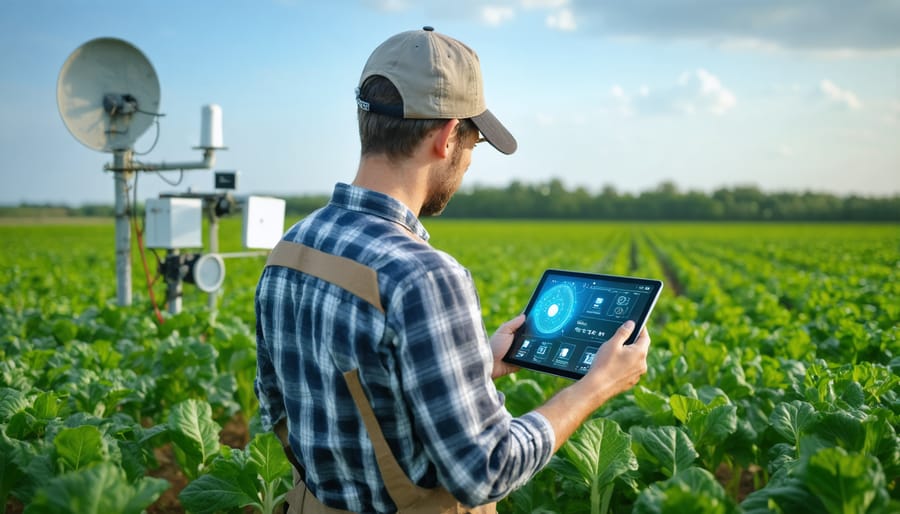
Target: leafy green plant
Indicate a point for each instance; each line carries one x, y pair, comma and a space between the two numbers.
690, 490
257, 477
193, 434
99, 489
591, 461
666, 450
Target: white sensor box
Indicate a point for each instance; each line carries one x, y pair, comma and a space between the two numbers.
174, 223
263, 222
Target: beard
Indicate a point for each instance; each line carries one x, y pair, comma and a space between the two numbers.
443, 184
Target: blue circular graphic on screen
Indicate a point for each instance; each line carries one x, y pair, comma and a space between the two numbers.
553, 309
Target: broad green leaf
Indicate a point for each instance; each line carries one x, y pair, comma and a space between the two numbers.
846, 482
22, 425
668, 449
733, 379
595, 456
64, 330
678, 499
605, 449
714, 426
195, 435
882, 441
781, 454
133, 459
655, 404
785, 496
11, 473
842, 429
11, 402
852, 394
268, 455
100, 489
78, 447
741, 445
684, 407
692, 490
209, 494
232, 481
523, 396
712, 396
535, 497
792, 419
46, 406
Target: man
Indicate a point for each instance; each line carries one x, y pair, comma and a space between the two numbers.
373, 361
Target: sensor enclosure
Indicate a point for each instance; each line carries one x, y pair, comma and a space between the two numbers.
173, 223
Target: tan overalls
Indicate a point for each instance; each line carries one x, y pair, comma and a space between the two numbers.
362, 281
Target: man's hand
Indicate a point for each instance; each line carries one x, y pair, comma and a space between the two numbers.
500, 343
618, 367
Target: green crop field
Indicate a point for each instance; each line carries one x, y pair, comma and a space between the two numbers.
772, 386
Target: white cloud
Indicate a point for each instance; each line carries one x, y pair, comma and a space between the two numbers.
495, 15
695, 92
621, 100
389, 5
785, 151
545, 120
833, 27
563, 20
544, 4
717, 98
835, 95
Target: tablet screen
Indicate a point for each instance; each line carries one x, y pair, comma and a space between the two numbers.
572, 313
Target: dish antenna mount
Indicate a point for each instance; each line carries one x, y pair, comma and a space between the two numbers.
108, 96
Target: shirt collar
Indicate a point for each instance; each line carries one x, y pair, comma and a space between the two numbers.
355, 198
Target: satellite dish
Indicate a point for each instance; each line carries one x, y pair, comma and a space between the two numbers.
107, 94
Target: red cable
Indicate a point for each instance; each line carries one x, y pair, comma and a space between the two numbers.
140, 241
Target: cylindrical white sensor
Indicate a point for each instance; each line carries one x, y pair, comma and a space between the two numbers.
211, 127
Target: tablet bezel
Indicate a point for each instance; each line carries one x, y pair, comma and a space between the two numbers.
640, 320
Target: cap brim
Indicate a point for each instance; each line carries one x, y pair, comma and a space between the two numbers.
495, 133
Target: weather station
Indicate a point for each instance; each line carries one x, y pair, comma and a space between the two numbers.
108, 95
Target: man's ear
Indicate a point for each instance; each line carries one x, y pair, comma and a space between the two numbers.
442, 138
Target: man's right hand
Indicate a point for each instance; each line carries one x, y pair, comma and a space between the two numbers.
617, 368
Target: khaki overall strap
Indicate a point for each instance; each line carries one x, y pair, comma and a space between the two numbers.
409, 498
401, 489
348, 274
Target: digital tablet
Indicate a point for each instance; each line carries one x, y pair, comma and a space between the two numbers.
571, 314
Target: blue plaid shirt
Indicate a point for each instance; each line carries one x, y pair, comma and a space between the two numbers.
425, 365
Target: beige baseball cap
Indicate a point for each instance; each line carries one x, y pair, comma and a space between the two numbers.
437, 77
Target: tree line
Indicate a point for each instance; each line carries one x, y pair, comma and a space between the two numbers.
552, 200
666, 202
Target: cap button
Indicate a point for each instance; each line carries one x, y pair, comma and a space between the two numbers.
428, 28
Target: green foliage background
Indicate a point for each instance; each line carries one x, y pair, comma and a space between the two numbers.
773, 383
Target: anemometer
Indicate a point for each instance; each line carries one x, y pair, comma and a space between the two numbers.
108, 96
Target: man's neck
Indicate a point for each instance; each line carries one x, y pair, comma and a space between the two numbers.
406, 181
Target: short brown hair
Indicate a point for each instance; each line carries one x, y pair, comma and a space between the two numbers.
391, 136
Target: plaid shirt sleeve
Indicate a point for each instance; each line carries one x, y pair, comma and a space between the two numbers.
481, 452
271, 402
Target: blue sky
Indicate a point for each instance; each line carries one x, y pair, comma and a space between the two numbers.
787, 95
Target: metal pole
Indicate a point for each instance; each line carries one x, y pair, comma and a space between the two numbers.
173, 281
121, 162
213, 248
